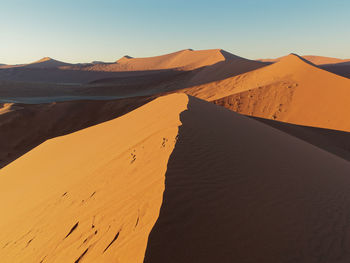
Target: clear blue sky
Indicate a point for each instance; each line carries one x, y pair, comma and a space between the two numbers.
86, 30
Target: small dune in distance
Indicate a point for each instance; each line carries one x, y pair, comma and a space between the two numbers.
192, 156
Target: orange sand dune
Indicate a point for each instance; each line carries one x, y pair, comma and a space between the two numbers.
47, 63
291, 90
43, 63
94, 194
187, 59
235, 190
317, 60
131, 76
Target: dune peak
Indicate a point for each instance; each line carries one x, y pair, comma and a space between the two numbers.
294, 58
44, 59
124, 58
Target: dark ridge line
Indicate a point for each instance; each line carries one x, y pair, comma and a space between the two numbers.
30, 241
73, 228
81, 256
137, 221
114, 239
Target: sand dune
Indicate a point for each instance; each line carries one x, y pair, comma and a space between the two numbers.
291, 90
99, 194
337, 66
187, 59
126, 78
47, 63
317, 60
43, 63
235, 189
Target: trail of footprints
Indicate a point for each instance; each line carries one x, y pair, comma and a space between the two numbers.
164, 142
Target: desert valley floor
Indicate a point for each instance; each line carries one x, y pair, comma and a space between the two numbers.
193, 156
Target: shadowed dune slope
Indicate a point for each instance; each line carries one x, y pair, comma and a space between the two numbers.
341, 69
25, 126
237, 190
333, 141
290, 90
93, 195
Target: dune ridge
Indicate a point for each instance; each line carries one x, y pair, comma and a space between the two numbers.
240, 191
290, 90
93, 194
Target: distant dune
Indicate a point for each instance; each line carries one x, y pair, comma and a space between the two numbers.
176, 180
185, 59
291, 90
337, 66
127, 77
47, 63
317, 60
43, 63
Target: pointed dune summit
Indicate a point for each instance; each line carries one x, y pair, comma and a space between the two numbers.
176, 180
292, 90
46, 62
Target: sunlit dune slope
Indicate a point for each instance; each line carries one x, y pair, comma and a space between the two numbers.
93, 195
291, 90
